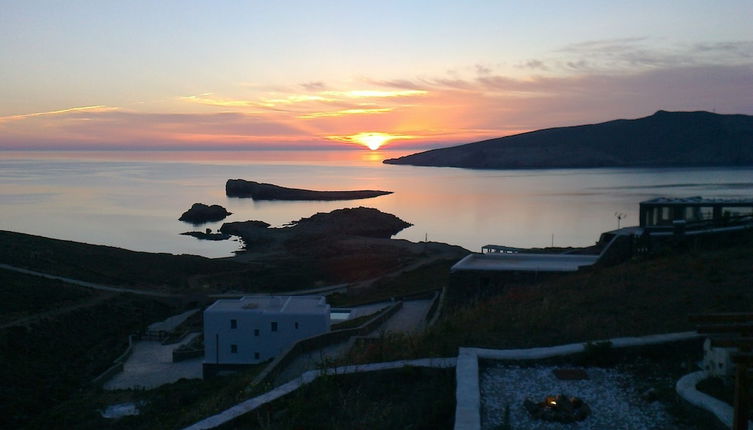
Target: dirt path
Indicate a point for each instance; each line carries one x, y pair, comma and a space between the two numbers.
86, 284
60, 311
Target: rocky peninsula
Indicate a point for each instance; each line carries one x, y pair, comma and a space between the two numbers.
263, 191
664, 139
201, 213
360, 222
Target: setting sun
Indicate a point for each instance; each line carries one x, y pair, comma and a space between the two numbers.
371, 140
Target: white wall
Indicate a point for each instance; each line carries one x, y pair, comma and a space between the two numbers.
268, 344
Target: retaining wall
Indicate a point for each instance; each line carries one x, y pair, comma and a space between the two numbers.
468, 396
117, 366
325, 339
435, 310
249, 405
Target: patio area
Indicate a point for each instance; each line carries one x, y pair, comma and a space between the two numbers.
609, 394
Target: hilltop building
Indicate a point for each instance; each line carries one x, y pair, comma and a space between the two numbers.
694, 213
253, 329
663, 222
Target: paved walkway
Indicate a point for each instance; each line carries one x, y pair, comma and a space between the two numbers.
411, 318
150, 365
316, 359
319, 359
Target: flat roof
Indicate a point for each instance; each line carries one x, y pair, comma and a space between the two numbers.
697, 200
522, 262
273, 304
500, 248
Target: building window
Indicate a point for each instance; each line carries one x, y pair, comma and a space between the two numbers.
233, 323
256, 356
296, 325
256, 332
233, 348
274, 325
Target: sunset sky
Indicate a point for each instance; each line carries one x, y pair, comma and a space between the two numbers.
309, 74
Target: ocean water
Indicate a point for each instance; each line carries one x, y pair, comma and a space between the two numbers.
133, 199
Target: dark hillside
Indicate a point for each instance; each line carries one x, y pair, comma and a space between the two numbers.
663, 139
106, 264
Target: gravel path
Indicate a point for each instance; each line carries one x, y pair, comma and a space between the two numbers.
87, 284
613, 403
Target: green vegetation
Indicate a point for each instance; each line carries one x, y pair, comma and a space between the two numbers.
170, 406
635, 298
47, 366
52, 359
23, 295
105, 264
415, 398
427, 278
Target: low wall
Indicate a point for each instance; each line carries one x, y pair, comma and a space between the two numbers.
468, 397
619, 249
435, 310
249, 405
686, 388
117, 366
325, 339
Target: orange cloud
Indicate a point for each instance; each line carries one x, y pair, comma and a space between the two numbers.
344, 112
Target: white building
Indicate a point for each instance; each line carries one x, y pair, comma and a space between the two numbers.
253, 329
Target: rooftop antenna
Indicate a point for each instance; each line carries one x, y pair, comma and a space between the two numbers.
620, 216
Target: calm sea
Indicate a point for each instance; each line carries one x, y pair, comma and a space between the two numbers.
133, 199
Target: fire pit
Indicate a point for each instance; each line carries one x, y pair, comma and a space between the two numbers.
562, 408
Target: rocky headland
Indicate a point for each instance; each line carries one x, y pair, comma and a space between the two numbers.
340, 223
201, 213
263, 191
339, 246
664, 139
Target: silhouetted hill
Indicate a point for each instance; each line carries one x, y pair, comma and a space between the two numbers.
663, 139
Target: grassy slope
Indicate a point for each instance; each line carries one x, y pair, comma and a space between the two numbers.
105, 264
638, 297
429, 277
412, 398
22, 295
52, 359
634, 298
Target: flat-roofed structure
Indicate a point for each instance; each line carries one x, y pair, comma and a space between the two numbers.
522, 262
499, 249
254, 329
664, 213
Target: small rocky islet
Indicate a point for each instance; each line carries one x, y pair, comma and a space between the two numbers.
264, 191
199, 213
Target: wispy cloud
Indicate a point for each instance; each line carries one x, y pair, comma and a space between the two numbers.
344, 112
580, 83
97, 108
